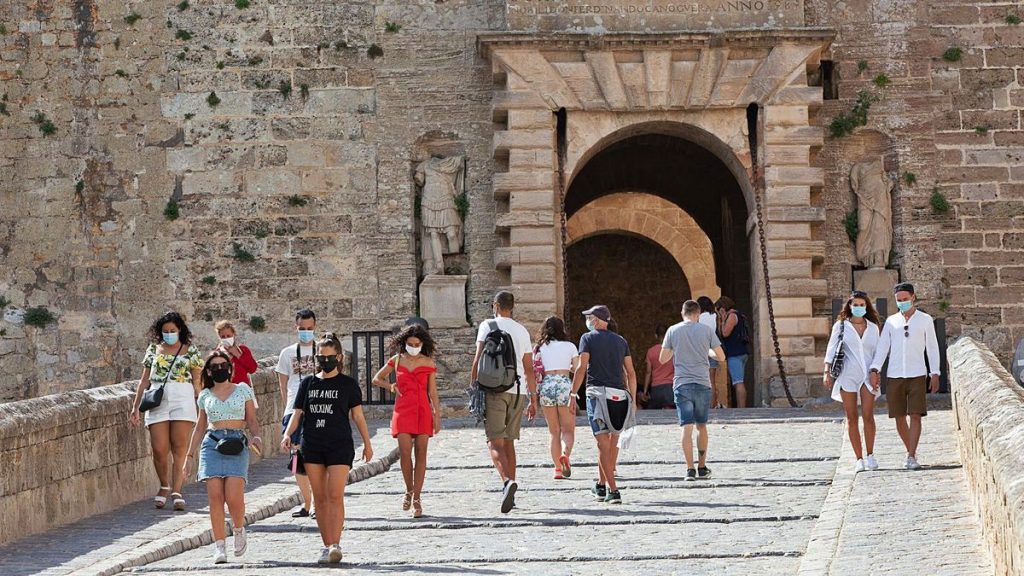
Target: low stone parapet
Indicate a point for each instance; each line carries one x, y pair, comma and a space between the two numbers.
989, 409
67, 456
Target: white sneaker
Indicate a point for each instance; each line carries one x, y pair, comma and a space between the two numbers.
334, 554
859, 467
220, 555
912, 463
241, 542
870, 463
325, 556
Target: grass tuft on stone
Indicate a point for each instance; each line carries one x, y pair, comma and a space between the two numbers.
4, 302
374, 51
209, 280
79, 187
850, 222
241, 4
392, 27
939, 203
220, 65
45, 125
120, 73
241, 254
3, 29
846, 122
862, 66
304, 91
462, 205
953, 54
285, 88
981, 129
183, 5
213, 100
910, 178
296, 201
340, 44
943, 305
132, 18
171, 210
183, 35
39, 317
257, 324
882, 80
1012, 19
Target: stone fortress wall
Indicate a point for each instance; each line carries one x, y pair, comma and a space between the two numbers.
286, 132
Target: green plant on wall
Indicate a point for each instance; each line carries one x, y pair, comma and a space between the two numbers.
846, 122
939, 203
241, 254
953, 54
209, 280
374, 51
462, 205
257, 324
882, 80
1012, 19
850, 222
910, 178
171, 211
862, 66
4, 302
38, 316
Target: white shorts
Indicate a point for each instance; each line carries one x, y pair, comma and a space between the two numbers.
179, 403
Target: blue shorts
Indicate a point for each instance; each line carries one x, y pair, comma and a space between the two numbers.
693, 401
737, 367
213, 464
617, 411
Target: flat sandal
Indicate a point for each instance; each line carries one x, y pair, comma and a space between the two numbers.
161, 501
179, 502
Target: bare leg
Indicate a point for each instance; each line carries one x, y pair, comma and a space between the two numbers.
606, 459
306, 490
741, 394
497, 450
554, 431
903, 428
337, 476
317, 474
510, 459
405, 448
181, 435
852, 423
688, 444
160, 440
915, 434
421, 464
702, 444
867, 408
234, 494
215, 493
567, 423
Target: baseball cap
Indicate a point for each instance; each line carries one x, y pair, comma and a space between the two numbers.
600, 311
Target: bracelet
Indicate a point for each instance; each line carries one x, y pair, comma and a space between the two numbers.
257, 438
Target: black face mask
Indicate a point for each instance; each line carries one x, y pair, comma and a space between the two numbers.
327, 363
220, 374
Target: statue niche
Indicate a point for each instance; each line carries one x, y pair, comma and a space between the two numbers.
441, 180
874, 213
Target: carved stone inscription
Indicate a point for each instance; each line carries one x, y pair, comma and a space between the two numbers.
652, 15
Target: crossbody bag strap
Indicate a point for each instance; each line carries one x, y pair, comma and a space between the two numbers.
169, 368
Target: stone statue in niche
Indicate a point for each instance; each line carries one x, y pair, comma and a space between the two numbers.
874, 213
441, 181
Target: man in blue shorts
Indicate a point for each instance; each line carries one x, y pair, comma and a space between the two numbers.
688, 344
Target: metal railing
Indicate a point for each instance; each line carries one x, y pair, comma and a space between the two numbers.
368, 355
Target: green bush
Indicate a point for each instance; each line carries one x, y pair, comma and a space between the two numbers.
213, 99
257, 324
171, 211
852, 225
953, 54
882, 80
241, 4
846, 122
910, 178
241, 254
183, 35
939, 203
374, 51
209, 280
296, 201
38, 317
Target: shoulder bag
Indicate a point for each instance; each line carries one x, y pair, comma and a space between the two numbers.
153, 396
837, 362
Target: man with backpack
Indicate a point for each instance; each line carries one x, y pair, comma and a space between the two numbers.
735, 339
503, 354
611, 389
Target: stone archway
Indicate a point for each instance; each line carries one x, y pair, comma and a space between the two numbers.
658, 220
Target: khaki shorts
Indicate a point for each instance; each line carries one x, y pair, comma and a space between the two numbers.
906, 396
503, 415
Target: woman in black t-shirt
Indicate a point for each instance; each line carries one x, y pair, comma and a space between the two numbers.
324, 403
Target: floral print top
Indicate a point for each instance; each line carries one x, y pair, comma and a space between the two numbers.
233, 408
160, 364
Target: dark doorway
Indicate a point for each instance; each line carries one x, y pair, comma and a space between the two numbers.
612, 269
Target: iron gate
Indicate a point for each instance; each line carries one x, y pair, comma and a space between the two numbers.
368, 355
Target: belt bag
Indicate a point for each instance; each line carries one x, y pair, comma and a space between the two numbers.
230, 446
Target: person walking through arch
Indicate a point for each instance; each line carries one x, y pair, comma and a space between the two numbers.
503, 411
735, 339
417, 413
852, 343
708, 317
907, 339
557, 356
687, 345
659, 376
606, 365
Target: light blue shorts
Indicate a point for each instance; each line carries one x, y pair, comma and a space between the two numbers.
737, 367
213, 464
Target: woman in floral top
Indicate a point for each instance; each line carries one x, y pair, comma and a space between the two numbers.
172, 362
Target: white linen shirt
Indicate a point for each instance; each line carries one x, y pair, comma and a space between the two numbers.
860, 351
907, 352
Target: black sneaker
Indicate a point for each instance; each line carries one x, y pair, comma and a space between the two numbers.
300, 513
691, 475
509, 496
600, 492
703, 472
613, 497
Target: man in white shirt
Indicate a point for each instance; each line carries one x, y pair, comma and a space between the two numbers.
503, 411
293, 364
907, 337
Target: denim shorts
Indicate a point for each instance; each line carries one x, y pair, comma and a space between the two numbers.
618, 411
213, 464
693, 401
737, 367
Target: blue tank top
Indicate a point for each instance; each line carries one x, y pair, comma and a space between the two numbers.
735, 343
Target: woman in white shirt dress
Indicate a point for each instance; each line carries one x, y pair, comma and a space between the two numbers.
859, 324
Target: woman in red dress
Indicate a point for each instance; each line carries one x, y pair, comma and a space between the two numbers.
417, 414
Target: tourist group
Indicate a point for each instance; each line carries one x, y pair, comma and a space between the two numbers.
189, 402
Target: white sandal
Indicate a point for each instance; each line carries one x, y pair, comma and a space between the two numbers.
179, 502
161, 501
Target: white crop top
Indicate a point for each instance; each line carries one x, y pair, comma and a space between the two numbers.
558, 355
231, 409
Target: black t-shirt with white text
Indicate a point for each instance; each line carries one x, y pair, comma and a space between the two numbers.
325, 404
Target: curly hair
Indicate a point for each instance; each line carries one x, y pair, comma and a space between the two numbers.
207, 378
155, 332
397, 343
553, 330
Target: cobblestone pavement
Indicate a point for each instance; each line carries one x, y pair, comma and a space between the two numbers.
772, 476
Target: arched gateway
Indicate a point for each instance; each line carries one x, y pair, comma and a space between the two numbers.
666, 125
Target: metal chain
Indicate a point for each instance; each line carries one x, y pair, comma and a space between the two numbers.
759, 188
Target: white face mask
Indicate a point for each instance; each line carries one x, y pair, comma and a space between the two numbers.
413, 350
227, 342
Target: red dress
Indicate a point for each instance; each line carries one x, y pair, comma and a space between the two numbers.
412, 406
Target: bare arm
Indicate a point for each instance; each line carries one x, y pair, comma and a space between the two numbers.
380, 379
360, 420
630, 376
435, 401
197, 381
197, 432
141, 388
250, 419
648, 376
729, 324
665, 356
581, 372
531, 376
282, 383
719, 353
476, 359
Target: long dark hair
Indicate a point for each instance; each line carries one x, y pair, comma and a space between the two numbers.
706, 305
331, 339
155, 332
397, 343
553, 330
207, 377
872, 314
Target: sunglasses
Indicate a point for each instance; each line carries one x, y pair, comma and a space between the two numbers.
906, 330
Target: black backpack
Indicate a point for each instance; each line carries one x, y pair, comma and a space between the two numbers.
496, 369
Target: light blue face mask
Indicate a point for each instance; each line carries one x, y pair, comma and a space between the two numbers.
306, 336
859, 311
905, 305
170, 338
590, 325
